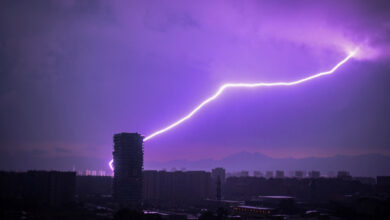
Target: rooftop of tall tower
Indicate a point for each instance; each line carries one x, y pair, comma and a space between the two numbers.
128, 135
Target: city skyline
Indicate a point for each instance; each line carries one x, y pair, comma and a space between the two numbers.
208, 110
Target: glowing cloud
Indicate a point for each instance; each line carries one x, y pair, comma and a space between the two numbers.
245, 85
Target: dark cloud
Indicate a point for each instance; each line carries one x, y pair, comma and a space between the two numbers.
61, 150
38, 152
74, 73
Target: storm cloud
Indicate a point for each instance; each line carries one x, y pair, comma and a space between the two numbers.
73, 73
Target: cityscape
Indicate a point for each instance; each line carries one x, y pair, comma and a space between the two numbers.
209, 110
134, 193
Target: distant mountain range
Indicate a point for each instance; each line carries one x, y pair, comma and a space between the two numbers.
361, 165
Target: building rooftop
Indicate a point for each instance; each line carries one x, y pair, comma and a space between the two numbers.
276, 197
254, 207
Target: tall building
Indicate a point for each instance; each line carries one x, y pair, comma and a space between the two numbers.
314, 174
279, 174
383, 184
218, 172
269, 174
257, 174
344, 175
299, 174
218, 176
128, 164
243, 173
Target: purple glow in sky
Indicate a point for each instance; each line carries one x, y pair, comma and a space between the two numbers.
244, 85
74, 73
248, 85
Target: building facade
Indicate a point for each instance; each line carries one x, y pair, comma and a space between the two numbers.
37, 188
128, 165
177, 188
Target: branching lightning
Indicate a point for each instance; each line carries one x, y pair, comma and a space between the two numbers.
245, 85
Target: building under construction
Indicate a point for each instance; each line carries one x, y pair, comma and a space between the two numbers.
128, 164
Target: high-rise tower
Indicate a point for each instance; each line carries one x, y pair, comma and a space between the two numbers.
218, 177
128, 164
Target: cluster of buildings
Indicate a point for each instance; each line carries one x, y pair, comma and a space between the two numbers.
93, 173
37, 188
290, 174
171, 188
190, 193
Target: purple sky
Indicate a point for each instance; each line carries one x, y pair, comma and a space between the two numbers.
73, 73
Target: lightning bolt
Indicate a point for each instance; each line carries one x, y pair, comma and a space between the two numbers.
245, 85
